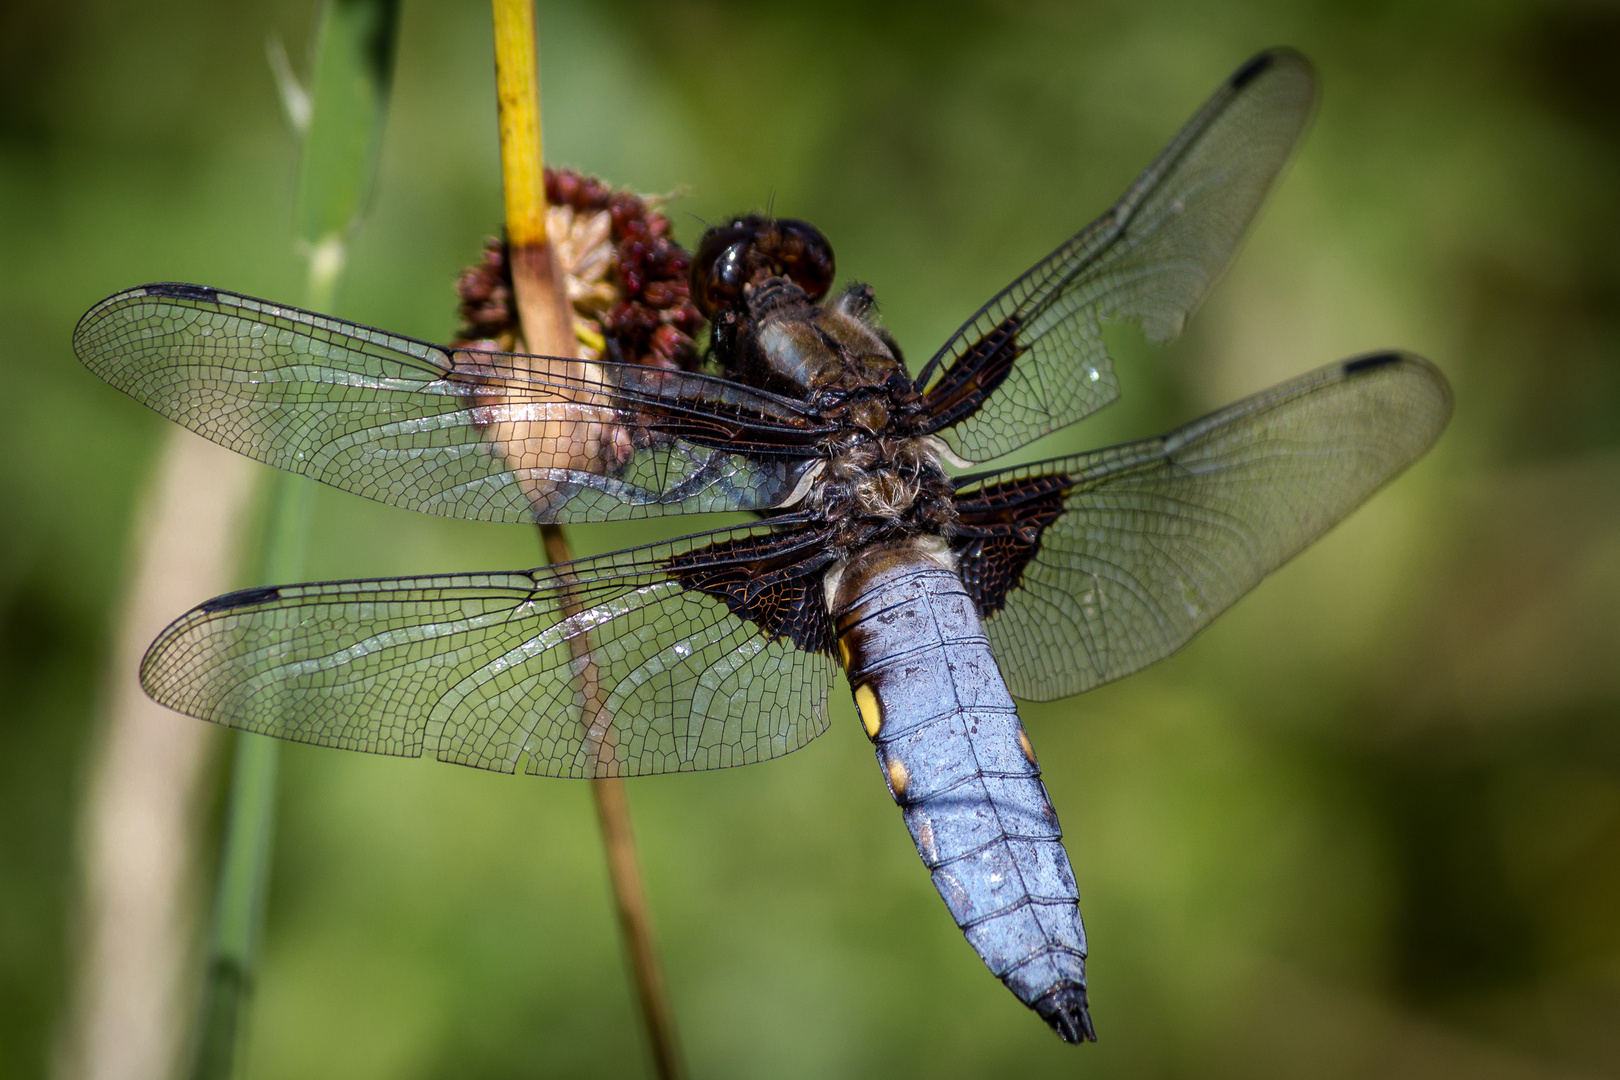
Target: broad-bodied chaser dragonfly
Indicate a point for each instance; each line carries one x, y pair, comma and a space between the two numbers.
942, 595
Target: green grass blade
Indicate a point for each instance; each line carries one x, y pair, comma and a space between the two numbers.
353, 68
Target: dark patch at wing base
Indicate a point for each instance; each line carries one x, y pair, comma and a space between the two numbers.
772, 581
968, 382
999, 531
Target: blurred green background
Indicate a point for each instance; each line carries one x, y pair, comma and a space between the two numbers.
1368, 824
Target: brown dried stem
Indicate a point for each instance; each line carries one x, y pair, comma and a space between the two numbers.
547, 323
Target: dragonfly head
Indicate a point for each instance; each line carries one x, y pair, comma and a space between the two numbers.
747, 250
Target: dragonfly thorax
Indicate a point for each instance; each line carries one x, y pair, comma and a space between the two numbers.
878, 488
782, 341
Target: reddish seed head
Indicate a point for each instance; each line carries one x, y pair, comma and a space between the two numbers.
651, 322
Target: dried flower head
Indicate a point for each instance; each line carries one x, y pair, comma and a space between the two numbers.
626, 279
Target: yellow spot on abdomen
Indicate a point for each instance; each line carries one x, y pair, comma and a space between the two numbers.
897, 777
871, 710
1029, 751
843, 653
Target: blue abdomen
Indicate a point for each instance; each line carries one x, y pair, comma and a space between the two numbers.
960, 766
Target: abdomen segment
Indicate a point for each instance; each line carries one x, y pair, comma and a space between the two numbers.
960, 766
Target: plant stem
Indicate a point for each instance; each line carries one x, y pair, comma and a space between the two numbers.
547, 323
541, 299
244, 872
630, 901
348, 97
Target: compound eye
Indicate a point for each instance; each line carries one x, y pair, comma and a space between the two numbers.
800, 253
747, 250
723, 264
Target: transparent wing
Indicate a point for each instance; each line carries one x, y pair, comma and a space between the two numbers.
601, 667
1032, 360
1092, 567
477, 435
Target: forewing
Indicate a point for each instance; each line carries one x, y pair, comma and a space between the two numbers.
1091, 567
612, 666
468, 434
1032, 360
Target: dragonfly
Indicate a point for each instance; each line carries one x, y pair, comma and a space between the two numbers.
885, 543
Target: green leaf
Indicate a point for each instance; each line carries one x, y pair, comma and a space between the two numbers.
354, 68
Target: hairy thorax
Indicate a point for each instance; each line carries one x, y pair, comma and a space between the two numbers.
879, 480
879, 488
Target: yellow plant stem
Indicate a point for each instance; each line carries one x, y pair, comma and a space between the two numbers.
547, 322
542, 300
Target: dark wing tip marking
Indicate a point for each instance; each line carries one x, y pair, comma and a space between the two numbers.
240, 599
1263, 61
181, 290
1066, 1011
1372, 362
1423, 370
1251, 70
86, 343
1150, 259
